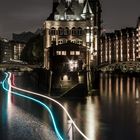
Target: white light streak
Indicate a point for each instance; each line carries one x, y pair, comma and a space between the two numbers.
55, 101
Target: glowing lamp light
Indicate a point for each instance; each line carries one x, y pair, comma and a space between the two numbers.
71, 62
65, 77
73, 65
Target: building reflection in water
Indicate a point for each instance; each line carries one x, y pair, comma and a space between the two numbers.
128, 88
137, 94
118, 87
134, 87
110, 87
92, 117
121, 89
65, 119
87, 114
120, 105
9, 106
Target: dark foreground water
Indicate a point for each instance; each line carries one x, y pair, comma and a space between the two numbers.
112, 114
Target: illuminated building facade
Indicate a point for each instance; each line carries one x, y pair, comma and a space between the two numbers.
138, 39
74, 23
118, 46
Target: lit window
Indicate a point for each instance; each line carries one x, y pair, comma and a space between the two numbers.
63, 52
77, 52
71, 52
73, 65
88, 37
58, 52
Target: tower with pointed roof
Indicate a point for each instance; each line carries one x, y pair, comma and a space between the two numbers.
75, 21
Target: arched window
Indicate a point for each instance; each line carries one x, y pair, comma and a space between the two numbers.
61, 31
79, 41
66, 31
60, 41
53, 31
73, 41
64, 41
79, 31
74, 31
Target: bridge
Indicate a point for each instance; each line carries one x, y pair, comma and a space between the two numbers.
128, 66
13, 66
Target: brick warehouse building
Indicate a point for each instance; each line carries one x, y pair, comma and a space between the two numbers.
138, 39
118, 46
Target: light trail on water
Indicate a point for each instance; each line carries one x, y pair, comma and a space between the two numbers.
55, 101
33, 99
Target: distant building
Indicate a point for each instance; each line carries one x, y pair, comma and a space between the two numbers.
18, 43
17, 48
23, 37
75, 21
118, 46
138, 39
5, 50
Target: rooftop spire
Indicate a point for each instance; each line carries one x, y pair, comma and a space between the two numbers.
87, 11
87, 8
55, 4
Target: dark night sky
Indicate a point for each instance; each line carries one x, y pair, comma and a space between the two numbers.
17, 16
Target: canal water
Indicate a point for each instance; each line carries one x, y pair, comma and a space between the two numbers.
113, 113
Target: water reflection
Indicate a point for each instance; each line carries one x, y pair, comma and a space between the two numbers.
134, 86
137, 94
92, 114
118, 87
9, 106
120, 106
17, 123
113, 114
121, 89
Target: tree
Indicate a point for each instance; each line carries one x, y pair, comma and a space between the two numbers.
33, 52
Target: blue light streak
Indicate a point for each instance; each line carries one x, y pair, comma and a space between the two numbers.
37, 101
